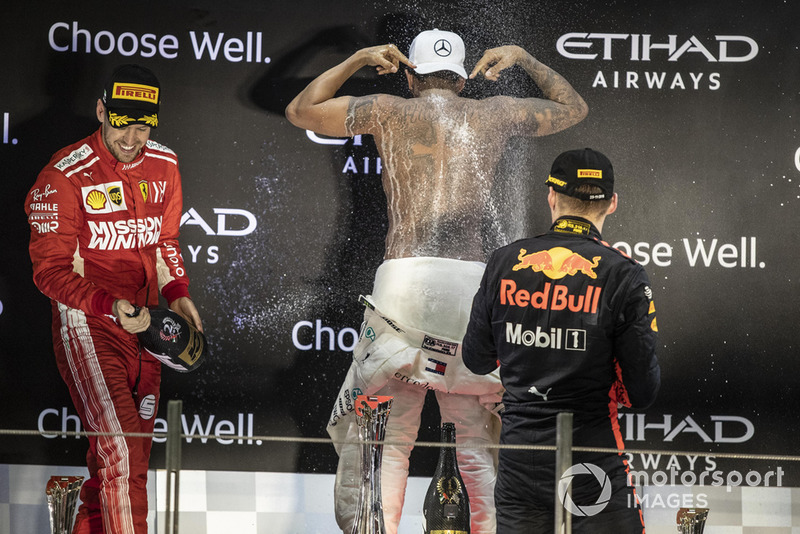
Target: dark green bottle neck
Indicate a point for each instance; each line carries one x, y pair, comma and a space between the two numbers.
447, 455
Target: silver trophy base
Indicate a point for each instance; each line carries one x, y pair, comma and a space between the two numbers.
692, 520
372, 412
62, 495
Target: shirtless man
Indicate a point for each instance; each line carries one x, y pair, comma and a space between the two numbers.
439, 154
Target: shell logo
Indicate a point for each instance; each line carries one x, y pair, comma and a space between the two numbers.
96, 200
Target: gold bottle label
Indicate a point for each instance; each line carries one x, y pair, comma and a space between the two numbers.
449, 490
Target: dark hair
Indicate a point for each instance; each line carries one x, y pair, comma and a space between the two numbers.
576, 206
440, 79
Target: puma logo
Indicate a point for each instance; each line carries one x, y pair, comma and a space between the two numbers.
537, 392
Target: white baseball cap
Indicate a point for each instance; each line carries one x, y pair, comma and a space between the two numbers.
435, 50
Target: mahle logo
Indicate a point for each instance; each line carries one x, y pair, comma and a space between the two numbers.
603, 496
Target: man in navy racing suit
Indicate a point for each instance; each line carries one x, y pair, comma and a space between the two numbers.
571, 323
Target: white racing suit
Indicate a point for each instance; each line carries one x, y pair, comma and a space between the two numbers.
409, 344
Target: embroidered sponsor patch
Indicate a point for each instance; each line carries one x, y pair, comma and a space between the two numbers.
435, 366
79, 154
590, 173
135, 91
104, 198
439, 345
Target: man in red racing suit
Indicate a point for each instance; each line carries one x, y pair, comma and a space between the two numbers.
571, 323
104, 217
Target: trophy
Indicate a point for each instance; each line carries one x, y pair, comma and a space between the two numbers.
692, 520
372, 413
62, 494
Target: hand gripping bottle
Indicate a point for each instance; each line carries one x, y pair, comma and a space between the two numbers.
446, 506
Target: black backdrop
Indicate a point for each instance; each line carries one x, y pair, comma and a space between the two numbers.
282, 229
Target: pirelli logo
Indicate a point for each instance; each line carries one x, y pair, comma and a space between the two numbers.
135, 91
590, 173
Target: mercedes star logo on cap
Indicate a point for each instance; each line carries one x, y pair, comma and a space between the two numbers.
442, 47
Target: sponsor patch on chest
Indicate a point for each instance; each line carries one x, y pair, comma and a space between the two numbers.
104, 198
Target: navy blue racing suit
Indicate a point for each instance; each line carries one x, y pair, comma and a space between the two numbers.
571, 323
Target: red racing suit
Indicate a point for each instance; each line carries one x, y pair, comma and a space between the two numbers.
571, 323
103, 230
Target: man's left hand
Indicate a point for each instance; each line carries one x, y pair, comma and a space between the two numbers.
184, 307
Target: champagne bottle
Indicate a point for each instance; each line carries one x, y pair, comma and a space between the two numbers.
446, 506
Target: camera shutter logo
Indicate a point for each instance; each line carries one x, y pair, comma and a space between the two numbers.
584, 510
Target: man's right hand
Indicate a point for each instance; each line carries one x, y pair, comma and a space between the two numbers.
129, 318
317, 108
385, 58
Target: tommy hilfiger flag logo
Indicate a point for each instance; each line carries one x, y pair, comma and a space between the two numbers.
435, 366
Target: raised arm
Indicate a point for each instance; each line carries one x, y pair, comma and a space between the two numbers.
563, 106
316, 109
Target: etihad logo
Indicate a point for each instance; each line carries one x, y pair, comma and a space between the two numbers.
124, 234
557, 263
135, 91
590, 173
644, 46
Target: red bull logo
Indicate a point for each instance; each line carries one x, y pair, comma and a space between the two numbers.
554, 297
557, 263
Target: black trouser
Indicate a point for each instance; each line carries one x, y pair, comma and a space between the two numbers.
601, 500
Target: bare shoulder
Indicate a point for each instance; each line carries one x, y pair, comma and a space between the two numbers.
364, 112
505, 110
531, 116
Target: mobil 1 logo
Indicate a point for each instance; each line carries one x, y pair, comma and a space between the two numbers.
542, 338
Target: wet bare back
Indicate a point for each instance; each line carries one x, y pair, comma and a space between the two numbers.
439, 155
